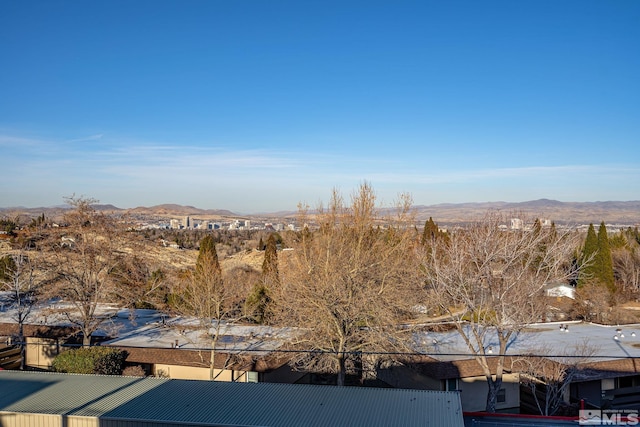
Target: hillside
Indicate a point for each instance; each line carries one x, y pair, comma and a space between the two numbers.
615, 212
179, 210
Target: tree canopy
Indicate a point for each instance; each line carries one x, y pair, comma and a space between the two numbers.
490, 282
347, 284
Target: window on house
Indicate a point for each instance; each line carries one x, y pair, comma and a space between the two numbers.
502, 396
451, 384
631, 381
625, 382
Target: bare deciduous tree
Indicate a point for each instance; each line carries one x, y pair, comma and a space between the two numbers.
549, 375
626, 263
85, 252
346, 284
23, 281
489, 280
204, 295
140, 287
592, 304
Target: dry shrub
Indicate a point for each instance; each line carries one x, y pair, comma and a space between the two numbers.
134, 371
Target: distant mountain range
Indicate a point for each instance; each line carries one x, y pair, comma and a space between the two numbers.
616, 212
173, 209
168, 210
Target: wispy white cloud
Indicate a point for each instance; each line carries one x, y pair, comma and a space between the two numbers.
132, 173
475, 175
16, 141
141, 160
89, 138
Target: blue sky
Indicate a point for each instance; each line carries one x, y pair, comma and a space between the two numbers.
255, 106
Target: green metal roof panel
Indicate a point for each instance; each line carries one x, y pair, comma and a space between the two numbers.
85, 395
225, 403
285, 404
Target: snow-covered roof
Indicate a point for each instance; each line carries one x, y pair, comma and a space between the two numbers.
188, 334
598, 342
155, 329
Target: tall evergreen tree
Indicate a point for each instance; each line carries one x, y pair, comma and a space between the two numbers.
260, 299
430, 232
204, 295
588, 268
537, 225
618, 241
604, 261
208, 255
270, 263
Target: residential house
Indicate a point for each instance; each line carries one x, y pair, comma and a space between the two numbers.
605, 364
161, 345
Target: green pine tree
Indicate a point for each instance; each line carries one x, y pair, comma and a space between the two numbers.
7, 269
259, 300
604, 261
258, 303
618, 241
588, 266
537, 226
208, 255
270, 263
430, 232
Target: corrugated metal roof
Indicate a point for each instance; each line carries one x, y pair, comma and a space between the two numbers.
247, 404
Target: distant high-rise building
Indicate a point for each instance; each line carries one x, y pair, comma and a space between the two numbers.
186, 222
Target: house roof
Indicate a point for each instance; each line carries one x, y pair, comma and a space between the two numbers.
604, 342
599, 347
187, 333
50, 314
149, 336
223, 403
181, 341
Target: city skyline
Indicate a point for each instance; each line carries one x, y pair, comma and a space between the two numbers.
255, 107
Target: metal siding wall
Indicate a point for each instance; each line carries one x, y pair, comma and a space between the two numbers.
73, 421
40, 352
16, 419
182, 372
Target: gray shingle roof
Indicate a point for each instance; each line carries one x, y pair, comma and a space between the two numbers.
184, 401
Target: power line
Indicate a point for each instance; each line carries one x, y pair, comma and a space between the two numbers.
588, 358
